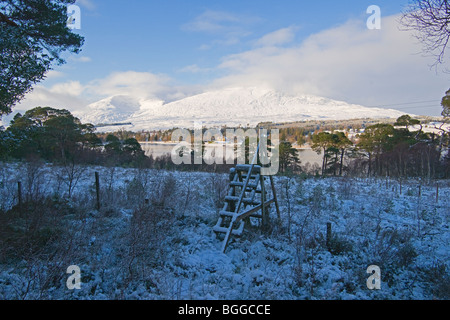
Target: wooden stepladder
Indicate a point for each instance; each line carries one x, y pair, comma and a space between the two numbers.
247, 198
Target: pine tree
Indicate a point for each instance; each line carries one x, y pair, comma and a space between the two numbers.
33, 35
321, 142
287, 155
446, 106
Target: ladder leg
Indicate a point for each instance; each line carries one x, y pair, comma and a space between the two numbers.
263, 202
227, 237
275, 198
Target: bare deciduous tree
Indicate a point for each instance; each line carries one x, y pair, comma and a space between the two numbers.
33, 175
70, 173
430, 22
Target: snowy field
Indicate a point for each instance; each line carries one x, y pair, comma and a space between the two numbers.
164, 248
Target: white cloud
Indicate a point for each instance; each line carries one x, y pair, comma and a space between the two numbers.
138, 84
52, 74
213, 22
75, 96
279, 37
195, 69
59, 97
88, 4
71, 88
227, 28
82, 59
348, 62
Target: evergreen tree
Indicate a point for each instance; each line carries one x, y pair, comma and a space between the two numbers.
89, 138
374, 141
33, 35
287, 155
113, 144
47, 132
406, 121
63, 131
342, 143
132, 147
321, 143
446, 106
3, 145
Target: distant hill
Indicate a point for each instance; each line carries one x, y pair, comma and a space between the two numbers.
231, 107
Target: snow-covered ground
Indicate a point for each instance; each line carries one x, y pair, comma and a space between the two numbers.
129, 250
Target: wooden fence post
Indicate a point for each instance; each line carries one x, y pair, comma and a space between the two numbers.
328, 234
19, 193
97, 188
437, 192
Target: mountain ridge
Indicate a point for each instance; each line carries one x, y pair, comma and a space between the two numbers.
230, 107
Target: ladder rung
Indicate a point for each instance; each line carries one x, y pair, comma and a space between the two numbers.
241, 184
235, 232
226, 214
253, 189
246, 167
245, 200
253, 178
231, 214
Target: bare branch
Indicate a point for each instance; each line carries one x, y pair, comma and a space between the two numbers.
430, 22
6, 20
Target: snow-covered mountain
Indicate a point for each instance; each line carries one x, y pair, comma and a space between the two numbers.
112, 110
231, 107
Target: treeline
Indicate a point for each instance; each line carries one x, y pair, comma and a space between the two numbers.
386, 150
396, 150
57, 136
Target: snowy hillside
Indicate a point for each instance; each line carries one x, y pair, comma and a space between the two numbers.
167, 250
231, 107
114, 109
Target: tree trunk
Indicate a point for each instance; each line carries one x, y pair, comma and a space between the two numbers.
342, 162
335, 163
323, 162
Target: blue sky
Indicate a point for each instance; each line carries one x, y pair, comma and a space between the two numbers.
174, 48
167, 36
